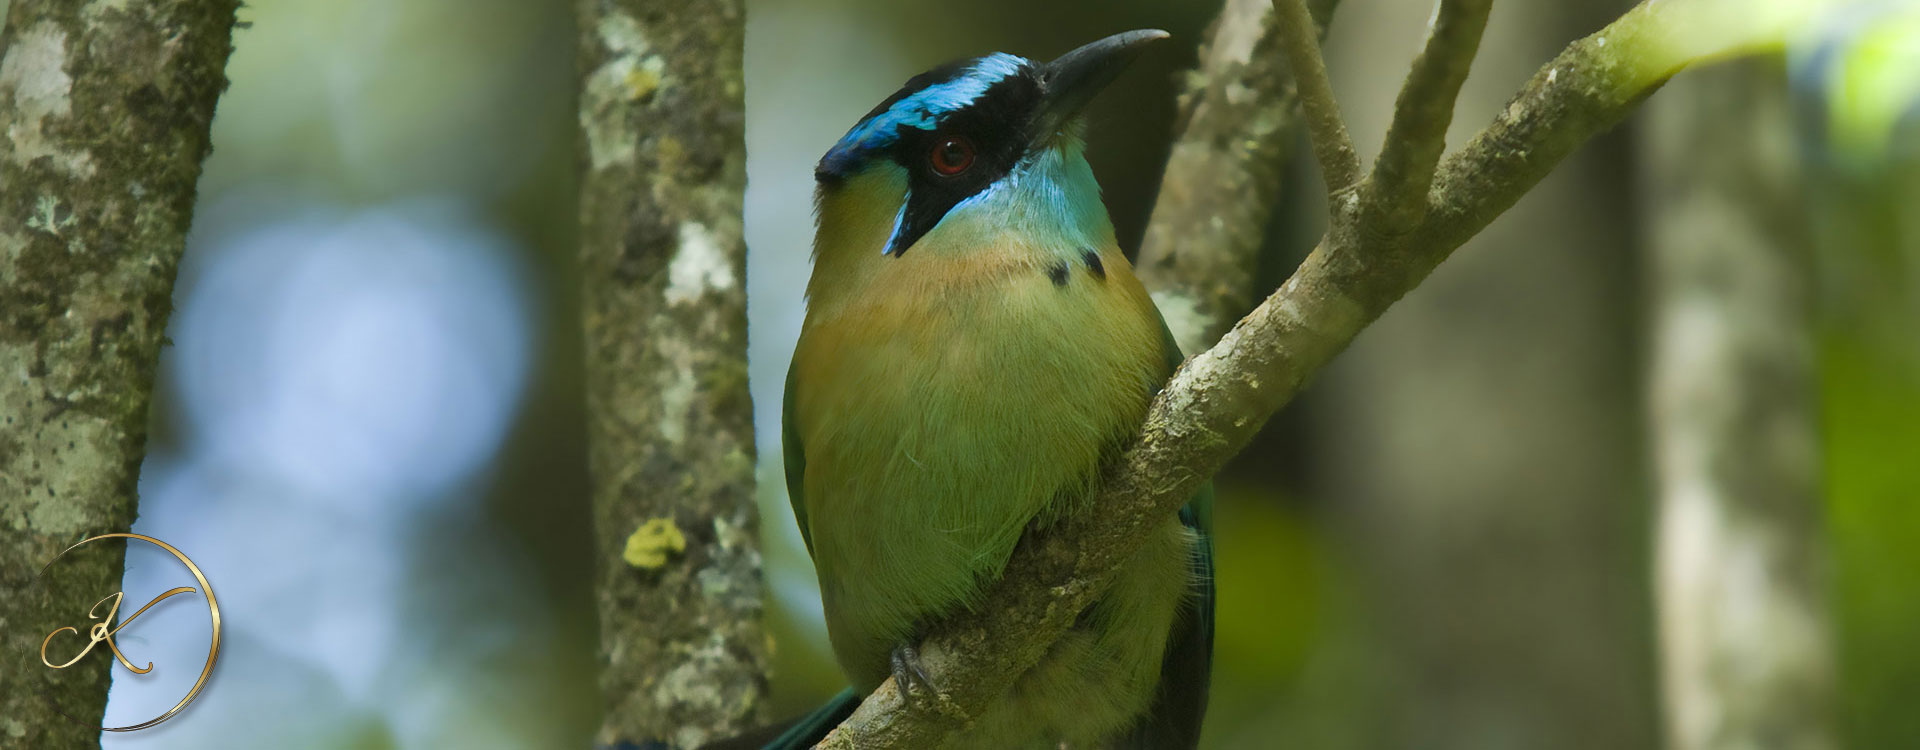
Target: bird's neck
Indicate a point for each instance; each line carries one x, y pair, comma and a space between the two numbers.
1045, 213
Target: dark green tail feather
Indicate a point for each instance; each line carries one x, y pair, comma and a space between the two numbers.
797, 734
815, 726
1180, 702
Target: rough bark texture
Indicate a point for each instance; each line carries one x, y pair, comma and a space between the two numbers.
1327, 133
663, 262
105, 108
1239, 119
1219, 399
1745, 639
1418, 137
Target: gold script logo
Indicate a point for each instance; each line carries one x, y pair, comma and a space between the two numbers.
104, 630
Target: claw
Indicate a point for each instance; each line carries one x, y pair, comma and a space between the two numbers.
917, 690
912, 677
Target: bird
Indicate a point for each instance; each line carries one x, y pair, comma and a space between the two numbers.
976, 347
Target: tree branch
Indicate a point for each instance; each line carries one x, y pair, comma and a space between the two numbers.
1219, 399
1396, 196
105, 112
1590, 87
663, 267
1332, 147
1239, 120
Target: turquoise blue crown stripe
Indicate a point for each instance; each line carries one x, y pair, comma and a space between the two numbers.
923, 110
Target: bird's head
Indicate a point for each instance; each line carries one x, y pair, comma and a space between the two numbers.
981, 145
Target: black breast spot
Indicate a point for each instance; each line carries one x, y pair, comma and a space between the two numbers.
1093, 264
1058, 273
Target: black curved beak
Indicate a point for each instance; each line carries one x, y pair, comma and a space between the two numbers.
1073, 79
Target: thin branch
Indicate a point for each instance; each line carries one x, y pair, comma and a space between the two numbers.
1397, 194
1590, 87
1219, 399
1239, 120
1339, 164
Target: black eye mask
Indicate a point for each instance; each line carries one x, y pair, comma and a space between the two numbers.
998, 125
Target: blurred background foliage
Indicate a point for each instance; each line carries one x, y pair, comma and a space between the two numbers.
370, 428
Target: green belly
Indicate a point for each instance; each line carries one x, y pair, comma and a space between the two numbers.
931, 445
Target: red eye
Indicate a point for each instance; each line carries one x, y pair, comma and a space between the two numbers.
951, 155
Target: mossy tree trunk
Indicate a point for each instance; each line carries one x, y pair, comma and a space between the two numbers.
1741, 563
662, 115
105, 107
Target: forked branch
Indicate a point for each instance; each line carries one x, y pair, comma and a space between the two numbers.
1332, 147
1397, 193
1238, 124
1219, 399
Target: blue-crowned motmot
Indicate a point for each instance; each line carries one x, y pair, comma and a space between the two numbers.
975, 347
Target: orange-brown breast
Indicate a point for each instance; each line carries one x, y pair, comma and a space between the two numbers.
944, 400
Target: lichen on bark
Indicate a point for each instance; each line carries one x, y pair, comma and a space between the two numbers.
663, 261
106, 107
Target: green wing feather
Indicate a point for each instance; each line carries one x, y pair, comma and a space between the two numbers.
1180, 702
1201, 506
795, 460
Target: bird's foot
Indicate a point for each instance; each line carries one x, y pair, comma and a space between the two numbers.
910, 675
916, 688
